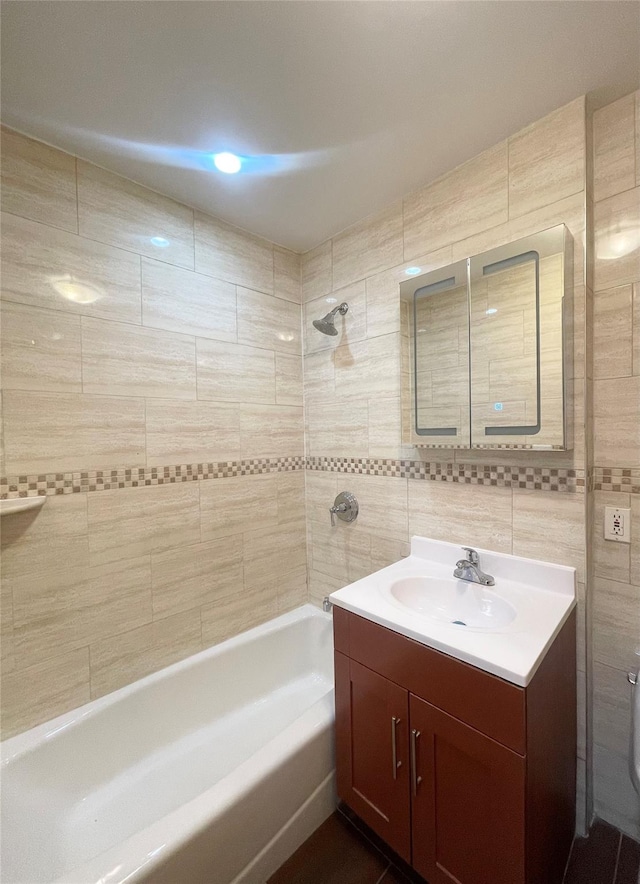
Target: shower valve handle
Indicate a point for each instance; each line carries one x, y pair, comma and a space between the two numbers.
345, 506
341, 508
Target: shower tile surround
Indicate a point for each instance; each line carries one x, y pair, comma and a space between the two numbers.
243, 444
132, 376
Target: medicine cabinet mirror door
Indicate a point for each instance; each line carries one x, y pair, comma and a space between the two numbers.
518, 350
436, 375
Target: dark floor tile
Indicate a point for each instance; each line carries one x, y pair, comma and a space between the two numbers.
628, 862
408, 875
394, 876
336, 853
593, 859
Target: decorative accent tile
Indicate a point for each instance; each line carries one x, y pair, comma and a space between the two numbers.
626, 479
134, 477
530, 478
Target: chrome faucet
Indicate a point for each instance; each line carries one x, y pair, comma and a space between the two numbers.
469, 569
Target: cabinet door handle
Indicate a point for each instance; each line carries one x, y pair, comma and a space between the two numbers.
394, 752
415, 779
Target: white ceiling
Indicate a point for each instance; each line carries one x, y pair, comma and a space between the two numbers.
346, 105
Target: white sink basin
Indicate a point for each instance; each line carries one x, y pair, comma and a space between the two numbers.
456, 602
508, 627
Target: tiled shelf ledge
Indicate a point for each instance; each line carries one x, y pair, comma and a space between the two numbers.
20, 504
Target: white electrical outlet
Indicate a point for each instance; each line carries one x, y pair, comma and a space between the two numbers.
617, 524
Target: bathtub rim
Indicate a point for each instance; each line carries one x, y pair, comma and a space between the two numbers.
21, 744
136, 856
131, 860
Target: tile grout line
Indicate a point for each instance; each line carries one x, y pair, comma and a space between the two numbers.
615, 867
383, 875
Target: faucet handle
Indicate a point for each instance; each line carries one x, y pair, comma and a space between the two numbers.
472, 555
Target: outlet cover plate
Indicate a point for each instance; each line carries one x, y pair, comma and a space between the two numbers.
617, 524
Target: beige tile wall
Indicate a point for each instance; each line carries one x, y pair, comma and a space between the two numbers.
534, 180
119, 353
616, 443
176, 537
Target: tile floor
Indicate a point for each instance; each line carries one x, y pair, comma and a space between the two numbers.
341, 853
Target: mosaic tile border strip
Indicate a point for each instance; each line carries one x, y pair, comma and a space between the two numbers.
135, 477
625, 479
529, 478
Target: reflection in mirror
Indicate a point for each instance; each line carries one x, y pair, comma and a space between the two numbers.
517, 369
437, 334
484, 349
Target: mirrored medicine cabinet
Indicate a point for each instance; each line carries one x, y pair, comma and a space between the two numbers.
486, 348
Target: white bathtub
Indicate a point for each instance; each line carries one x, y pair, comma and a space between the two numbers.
213, 770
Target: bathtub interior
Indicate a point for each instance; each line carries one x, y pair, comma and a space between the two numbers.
143, 752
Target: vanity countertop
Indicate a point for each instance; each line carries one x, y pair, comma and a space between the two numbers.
541, 595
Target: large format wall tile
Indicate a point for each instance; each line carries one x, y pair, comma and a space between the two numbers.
124, 360
191, 432
287, 280
124, 658
316, 272
288, 379
368, 247
292, 589
339, 554
338, 429
271, 431
7, 658
191, 576
465, 201
613, 148
239, 504
369, 368
612, 709
235, 373
471, 515
616, 622
636, 329
121, 213
616, 424
265, 321
382, 505
38, 181
44, 690
617, 250
615, 799
48, 540
541, 515
132, 522
46, 267
613, 333
40, 349
547, 159
270, 551
180, 300
70, 609
231, 254
60, 432
233, 614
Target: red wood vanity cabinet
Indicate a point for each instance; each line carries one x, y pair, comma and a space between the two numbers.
469, 778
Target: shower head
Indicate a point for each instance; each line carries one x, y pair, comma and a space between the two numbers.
326, 325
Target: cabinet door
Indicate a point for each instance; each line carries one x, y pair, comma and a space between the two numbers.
468, 796
372, 726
